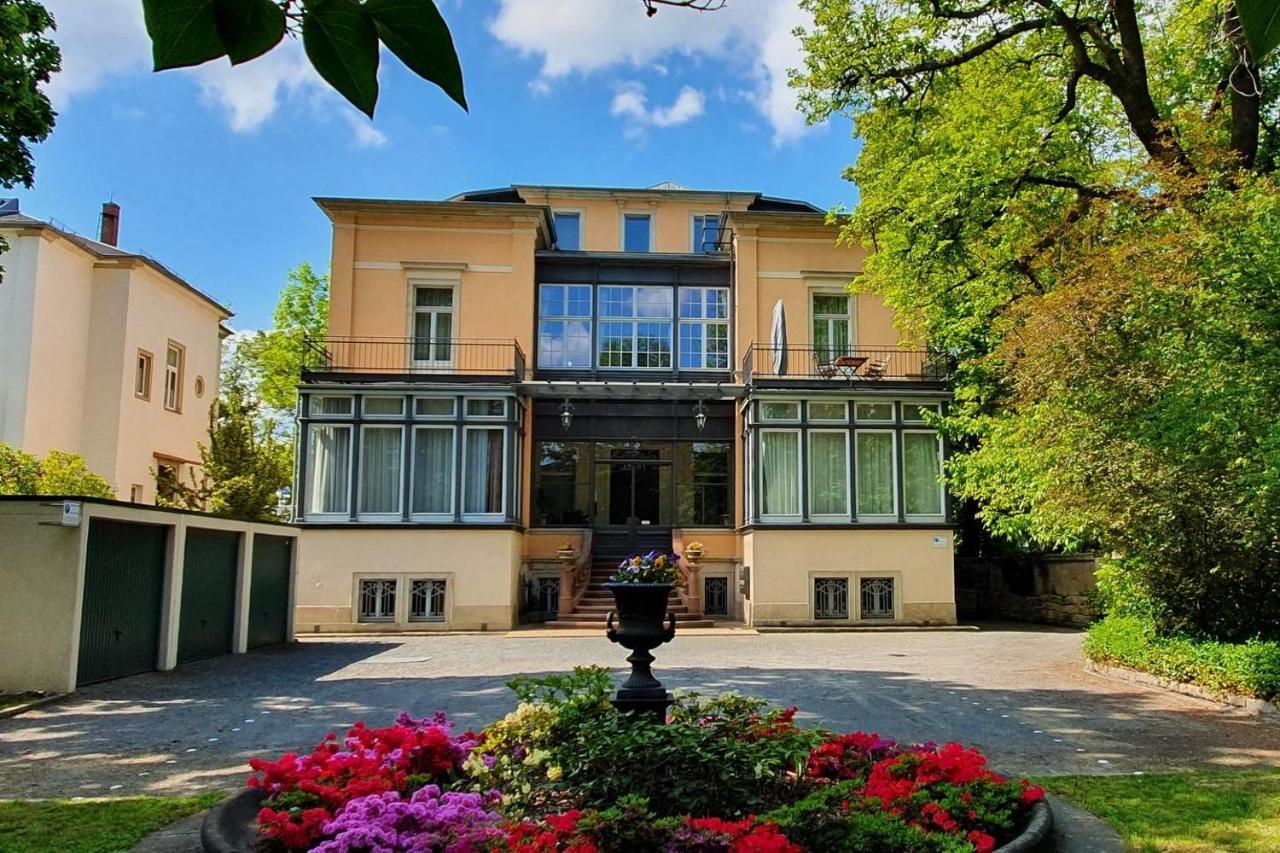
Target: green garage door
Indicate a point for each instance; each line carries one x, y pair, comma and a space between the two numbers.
208, 594
123, 594
269, 590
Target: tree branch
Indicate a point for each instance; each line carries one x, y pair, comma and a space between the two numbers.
956, 59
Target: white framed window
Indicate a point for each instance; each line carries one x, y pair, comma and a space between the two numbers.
487, 407
922, 492
828, 411
830, 598
328, 470
324, 405
784, 411
484, 472
876, 599
564, 326
431, 489
433, 407
914, 413
635, 327
427, 599
874, 461
376, 599
828, 474
142, 375
568, 229
433, 324
383, 407
174, 363
704, 328
880, 412
832, 324
780, 473
705, 233
381, 463
637, 232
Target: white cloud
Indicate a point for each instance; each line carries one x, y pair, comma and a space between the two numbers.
631, 102
752, 38
108, 38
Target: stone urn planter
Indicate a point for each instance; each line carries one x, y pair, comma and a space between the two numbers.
643, 624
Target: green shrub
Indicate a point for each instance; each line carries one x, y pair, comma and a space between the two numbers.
820, 821
1248, 669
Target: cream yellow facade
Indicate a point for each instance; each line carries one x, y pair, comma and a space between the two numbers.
520, 384
76, 317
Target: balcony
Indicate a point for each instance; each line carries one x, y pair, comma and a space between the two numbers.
441, 359
811, 366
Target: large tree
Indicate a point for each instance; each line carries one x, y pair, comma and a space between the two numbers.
1075, 202
27, 59
273, 359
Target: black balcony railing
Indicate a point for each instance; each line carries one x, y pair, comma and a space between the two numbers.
765, 363
461, 358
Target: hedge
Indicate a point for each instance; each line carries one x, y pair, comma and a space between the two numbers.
1245, 669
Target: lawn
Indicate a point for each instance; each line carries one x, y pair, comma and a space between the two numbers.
91, 826
1183, 812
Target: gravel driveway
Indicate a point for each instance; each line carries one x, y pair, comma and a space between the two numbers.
1019, 693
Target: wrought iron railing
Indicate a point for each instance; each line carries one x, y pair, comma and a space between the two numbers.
445, 357
851, 365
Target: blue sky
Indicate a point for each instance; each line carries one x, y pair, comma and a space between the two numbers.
215, 167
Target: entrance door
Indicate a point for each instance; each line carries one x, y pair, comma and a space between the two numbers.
633, 497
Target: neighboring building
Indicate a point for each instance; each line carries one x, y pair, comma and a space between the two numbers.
512, 370
103, 352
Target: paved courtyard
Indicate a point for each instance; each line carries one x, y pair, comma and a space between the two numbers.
1018, 693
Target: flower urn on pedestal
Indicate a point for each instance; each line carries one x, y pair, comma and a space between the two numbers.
641, 589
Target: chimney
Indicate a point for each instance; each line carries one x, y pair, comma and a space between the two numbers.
109, 229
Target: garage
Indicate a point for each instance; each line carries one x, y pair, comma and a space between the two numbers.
207, 616
269, 590
122, 601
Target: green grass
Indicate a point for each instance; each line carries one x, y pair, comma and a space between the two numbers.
91, 826
1183, 812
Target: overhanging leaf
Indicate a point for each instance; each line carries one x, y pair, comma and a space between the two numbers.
416, 33
1260, 20
342, 44
183, 32
248, 28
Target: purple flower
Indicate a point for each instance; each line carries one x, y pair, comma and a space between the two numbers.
428, 822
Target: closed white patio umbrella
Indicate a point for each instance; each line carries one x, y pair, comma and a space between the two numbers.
778, 339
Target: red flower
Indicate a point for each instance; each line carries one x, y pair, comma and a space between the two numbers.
982, 843
1031, 793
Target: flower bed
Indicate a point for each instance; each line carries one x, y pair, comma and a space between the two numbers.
567, 773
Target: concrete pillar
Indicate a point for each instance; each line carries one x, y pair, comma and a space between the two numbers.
171, 605
244, 579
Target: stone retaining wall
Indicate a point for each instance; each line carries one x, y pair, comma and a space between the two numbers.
1048, 589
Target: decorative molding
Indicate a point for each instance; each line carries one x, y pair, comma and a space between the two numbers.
443, 266
779, 274
431, 229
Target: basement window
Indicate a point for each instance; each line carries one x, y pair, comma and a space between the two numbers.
377, 600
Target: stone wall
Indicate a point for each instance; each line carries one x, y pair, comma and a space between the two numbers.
1046, 589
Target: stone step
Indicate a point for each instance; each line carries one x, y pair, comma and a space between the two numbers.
581, 620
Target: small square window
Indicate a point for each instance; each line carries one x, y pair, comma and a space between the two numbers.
377, 600
636, 232
772, 410
915, 412
830, 598
877, 412
494, 408
333, 406
876, 598
383, 407
433, 407
426, 600
568, 231
826, 411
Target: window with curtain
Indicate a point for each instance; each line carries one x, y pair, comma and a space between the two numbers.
380, 463
831, 325
326, 405
328, 469
921, 472
779, 473
432, 492
874, 464
568, 230
828, 472
433, 324
704, 328
564, 326
482, 477
635, 327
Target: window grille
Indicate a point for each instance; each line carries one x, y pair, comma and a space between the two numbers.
426, 600
877, 598
715, 596
549, 595
378, 600
831, 598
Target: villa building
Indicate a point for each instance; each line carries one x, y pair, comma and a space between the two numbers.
105, 353
522, 385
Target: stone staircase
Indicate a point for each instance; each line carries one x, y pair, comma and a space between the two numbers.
596, 602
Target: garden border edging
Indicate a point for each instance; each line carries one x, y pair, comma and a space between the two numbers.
1247, 704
